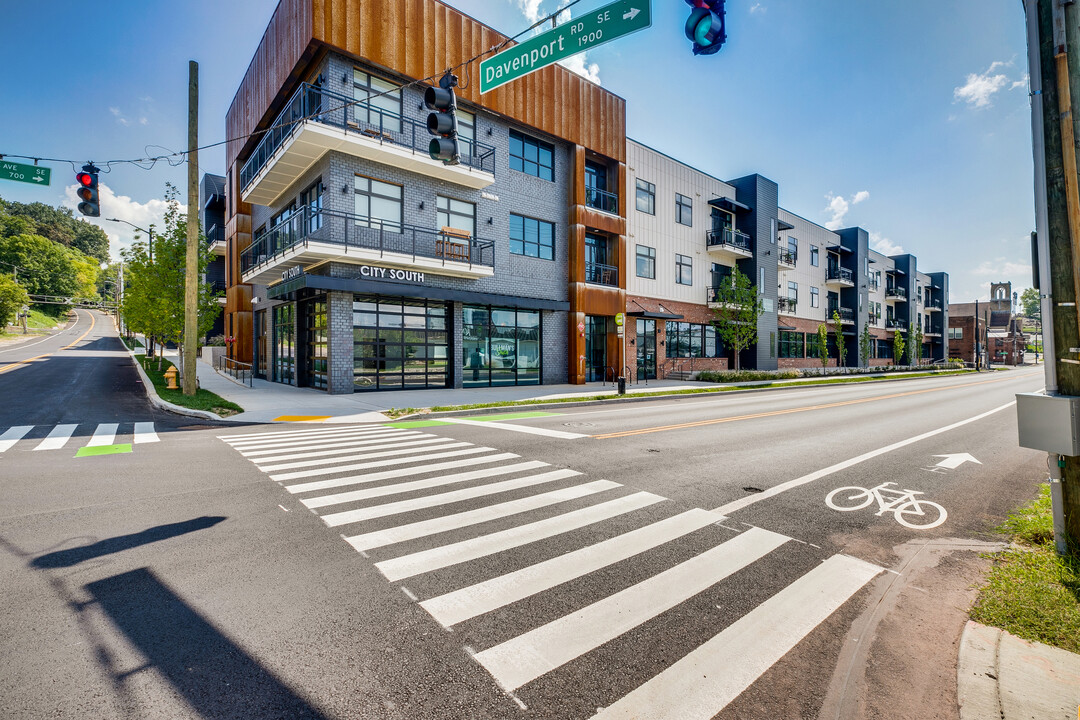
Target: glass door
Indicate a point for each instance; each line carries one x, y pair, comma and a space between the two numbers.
317, 344
646, 349
595, 347
261, 354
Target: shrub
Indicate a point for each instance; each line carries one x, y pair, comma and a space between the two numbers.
728, 376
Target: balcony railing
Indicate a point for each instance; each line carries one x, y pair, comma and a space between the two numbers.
729, 238
788, 257
893, 324
933, 304
841, 274
846, 314
352, 231
601, 274
787, 304
216, 233
602, 200
315, 104
898, 292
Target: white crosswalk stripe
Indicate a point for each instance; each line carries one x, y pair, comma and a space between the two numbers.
401, 472
144, 433
104, 435
57, 438
64, 435
13, 435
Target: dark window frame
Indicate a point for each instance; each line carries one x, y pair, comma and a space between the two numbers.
522, 162
647, 193
680, 266
520, 245
684, 210
649, 258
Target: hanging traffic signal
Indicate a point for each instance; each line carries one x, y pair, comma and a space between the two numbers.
442, 122
705, 26
88, 190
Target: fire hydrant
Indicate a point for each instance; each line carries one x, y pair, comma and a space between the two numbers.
170, 378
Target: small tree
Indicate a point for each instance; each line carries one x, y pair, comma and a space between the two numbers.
866, 344
915, 344
823, 345
735, 313
1031, 303
13, 298
838, 331
898, 347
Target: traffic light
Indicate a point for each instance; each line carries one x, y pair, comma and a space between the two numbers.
88, 190
705, 26
442, 122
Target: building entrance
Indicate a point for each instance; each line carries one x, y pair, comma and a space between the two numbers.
595, 347
399, 343
646, 349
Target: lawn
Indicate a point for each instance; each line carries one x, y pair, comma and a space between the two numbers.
201, 400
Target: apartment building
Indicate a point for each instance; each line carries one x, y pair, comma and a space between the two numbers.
357, 262
212, 218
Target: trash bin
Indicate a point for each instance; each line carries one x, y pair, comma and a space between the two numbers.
622, 385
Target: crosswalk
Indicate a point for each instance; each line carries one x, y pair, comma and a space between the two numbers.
464, 524
68, 435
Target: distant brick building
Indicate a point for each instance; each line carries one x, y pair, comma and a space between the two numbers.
989, 329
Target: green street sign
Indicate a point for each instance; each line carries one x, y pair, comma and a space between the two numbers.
24, 173
595, 28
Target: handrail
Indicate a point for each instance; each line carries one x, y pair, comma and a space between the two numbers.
842, 274
242, 371
727, 236
896, 291
314, 104
601, 274
613, 375
602, 200
789, 257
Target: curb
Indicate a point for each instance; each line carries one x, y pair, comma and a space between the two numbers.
157, 402
977, 672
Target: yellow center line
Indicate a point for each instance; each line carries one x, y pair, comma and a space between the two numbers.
701, 423
38, 357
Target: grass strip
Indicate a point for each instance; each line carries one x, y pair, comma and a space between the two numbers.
201, 400
1032, 592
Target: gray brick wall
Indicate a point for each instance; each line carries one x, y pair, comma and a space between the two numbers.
339, 313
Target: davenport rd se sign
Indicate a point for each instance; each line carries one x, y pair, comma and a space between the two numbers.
580, 34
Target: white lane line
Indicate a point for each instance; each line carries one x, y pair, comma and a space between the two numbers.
13, 435
401, 472
437, 444
517, 428
700, 685
57, 438
447, 498
144, 433
348, 442
466, 550
377, 463
818, 474
426, 484
308, 433
411, 442
528, 656
470, 602
434, 526
104, 435
330, 435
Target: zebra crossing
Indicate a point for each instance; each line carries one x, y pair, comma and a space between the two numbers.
431, 510
65, 435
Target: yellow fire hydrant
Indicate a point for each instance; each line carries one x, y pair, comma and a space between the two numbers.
170, 378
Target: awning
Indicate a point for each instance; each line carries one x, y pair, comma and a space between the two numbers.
839, 248
654, 315
730, 205
786, 327
898, 271
783, 226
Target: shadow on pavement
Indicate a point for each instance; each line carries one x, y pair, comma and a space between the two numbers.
216, 677
74, 556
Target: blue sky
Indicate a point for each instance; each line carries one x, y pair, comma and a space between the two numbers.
910, 119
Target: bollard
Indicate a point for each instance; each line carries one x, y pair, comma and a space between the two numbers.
622, 385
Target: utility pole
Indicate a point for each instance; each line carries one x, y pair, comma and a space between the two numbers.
191, 275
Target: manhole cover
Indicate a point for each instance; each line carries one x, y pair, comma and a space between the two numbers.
579, 424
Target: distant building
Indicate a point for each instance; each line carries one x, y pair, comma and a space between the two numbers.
987, 330
212, 218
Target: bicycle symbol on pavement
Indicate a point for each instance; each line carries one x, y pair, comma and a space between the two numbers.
908, 510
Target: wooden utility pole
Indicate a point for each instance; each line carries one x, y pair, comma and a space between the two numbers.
191, 274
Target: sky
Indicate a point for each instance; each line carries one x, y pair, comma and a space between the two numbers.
909, 119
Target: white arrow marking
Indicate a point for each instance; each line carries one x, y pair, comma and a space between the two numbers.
630, 15
39, 179
956, 460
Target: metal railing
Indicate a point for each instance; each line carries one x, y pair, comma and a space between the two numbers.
896, 292
357, 231
601, 274
216, 233
789, 257
841, 274
787, 303
239, 370
314, 104
729, 238
893, 324
933, 304
846, 314
602, 200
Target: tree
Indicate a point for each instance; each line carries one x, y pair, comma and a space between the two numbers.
898, 347
13, 298
736, 311
822, 348
838, 331
61, 226
915, 344
48, 268
1031, 304
866, 344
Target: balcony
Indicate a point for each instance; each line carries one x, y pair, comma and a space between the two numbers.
847, 315
317, 121
728, 243
600, 274
215, 240
894, 324
602, 200
840, 276
787, 304
713, 299
896, 292
933, 306
307, 238
788, 258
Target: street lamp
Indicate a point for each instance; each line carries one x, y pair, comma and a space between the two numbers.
148, 232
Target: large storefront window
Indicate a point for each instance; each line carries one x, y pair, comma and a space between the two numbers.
317, 344
500, 346
690, 340
399, 343
791, 344
284, 360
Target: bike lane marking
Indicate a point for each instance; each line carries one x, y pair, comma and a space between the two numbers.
818, 474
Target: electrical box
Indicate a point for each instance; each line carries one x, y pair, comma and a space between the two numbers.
1049, 422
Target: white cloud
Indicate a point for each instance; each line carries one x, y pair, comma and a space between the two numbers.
757, 8
979, 89
530, 9
123, 207
1000, 268
839, 207
576, 63
584, 68
884, 245
860, 196
1021, 83
119, 116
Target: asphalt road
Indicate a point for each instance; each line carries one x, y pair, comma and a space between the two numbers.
678, 559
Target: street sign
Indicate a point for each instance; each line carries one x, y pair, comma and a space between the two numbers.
24, 173
599, 26
619, 319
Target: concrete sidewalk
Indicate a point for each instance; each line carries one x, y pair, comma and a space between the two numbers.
998, 675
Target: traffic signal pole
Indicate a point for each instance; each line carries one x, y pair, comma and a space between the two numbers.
191, 273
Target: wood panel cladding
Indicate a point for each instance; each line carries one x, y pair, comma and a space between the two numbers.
419, 39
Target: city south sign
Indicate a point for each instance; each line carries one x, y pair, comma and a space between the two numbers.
595, 28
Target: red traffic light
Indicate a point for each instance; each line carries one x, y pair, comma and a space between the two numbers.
84, 179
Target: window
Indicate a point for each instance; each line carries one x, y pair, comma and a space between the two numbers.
500, 346
793, 247
532, 156
456, 214
646, 197
646, 262
378, 204
815, 300
793, 290
814, 256
531, 237
684, 269
791, 344
684, 210
466, 132
399, 343
379, 102
761, 281
884, 349
690, 340
311, 199
956, 333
